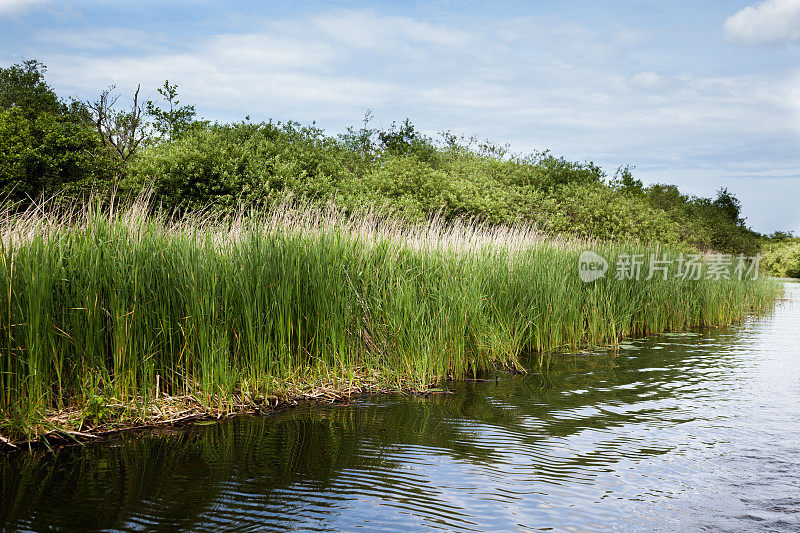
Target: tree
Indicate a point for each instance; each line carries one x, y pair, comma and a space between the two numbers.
399, 140
46, 145
406, 140
729, 205
23, 86
174, 122
624, 181
121, 132
780, 236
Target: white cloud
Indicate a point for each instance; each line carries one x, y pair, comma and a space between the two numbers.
365, 29
647, 79
314, 66
14, 7
563, 78
98, 38
770, 22
260, 51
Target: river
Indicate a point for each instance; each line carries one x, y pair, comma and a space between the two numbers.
698, 430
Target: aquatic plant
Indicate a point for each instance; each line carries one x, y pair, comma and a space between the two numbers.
122, 307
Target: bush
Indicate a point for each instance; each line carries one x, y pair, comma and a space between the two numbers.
46, 145
47, 153
227, 165
401, 171
782, 259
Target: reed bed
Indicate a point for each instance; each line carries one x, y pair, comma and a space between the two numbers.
112, 314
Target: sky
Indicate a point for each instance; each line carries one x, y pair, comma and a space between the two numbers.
702, 94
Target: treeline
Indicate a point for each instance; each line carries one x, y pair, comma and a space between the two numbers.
49, 145
781, 255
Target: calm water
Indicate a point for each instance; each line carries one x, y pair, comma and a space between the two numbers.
676, 431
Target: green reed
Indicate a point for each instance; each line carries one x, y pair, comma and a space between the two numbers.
133, 306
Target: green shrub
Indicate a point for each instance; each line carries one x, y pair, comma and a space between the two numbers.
782, 259
401, 171
46, 145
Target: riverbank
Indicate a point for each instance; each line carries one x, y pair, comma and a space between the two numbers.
586, 440
79, 424
105, 314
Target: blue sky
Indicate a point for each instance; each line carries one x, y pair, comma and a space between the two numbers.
703, 94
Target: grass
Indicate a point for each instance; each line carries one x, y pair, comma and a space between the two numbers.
110, 315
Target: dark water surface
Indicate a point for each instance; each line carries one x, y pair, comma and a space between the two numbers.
698, 431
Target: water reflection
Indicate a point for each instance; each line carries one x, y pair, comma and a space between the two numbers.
679, 430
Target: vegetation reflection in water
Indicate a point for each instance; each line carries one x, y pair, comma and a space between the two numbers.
595, 439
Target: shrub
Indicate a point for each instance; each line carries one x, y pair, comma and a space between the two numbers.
782, 259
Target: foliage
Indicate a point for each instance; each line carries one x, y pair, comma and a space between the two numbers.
779, 236
23, 86
174, 122
402, 171
95, 410
107, 304
230, 164
781, 257
406, 140
46, 145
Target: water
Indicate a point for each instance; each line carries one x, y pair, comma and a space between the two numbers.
696, 431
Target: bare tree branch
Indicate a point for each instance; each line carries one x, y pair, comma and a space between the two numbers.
121, 132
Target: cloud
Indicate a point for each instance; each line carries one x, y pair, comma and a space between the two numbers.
365, 29
15, 7
99, 39
340, 62
768, 23
647, 79
497, 78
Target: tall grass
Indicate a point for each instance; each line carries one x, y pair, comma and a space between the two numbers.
133, 306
